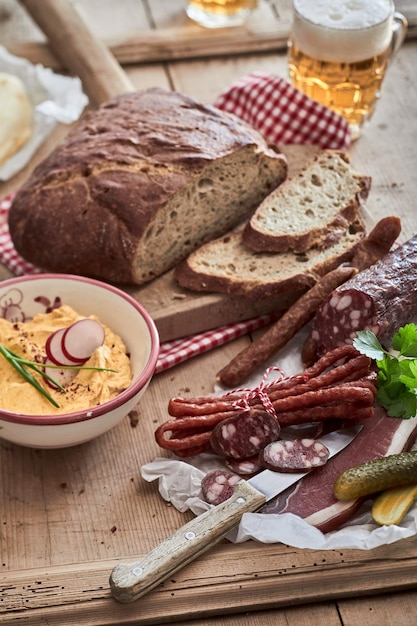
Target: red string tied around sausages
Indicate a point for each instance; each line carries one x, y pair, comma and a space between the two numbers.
261, 392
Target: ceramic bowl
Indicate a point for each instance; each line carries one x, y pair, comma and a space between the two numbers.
24, 297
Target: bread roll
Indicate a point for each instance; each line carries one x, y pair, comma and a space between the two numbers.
139, 184
16, 115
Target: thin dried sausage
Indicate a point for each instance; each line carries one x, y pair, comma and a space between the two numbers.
354, 412
278, 335
339, 386
342, 364
363, 392
377, 243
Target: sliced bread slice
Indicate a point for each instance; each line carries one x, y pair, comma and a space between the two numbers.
312, 209
227, 265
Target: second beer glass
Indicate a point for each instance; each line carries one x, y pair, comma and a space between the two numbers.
219, 13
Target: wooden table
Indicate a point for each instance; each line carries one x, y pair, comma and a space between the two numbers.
67, 516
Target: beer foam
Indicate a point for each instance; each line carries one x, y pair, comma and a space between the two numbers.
343, 30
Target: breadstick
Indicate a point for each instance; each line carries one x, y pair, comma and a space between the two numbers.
301, 312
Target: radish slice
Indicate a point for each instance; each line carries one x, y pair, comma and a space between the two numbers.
62, 377
54, 352
71, 346
79, 340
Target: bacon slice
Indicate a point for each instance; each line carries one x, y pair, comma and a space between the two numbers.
312, 498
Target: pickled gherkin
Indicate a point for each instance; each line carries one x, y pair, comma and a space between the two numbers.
378, 475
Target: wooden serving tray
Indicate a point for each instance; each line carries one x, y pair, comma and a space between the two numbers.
68, 516
231, 578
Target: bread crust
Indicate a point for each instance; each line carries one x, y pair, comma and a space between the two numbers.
94, 205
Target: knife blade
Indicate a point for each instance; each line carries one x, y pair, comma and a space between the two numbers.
130, 581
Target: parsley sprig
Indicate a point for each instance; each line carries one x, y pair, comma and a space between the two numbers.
397, 371
20, 365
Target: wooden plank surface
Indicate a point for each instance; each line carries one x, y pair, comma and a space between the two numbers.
67, 516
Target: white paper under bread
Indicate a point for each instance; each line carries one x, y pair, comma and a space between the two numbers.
55, 98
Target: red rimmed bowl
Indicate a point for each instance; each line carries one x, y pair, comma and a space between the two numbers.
24, 297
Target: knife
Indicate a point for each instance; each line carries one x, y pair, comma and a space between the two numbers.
130, 581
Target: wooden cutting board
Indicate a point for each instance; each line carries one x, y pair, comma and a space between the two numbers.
178, 312
243, 578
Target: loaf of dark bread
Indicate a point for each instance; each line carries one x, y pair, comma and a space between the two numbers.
139, 184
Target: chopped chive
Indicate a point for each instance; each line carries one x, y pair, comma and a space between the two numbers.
57, 367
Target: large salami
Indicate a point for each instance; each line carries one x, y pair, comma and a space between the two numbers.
381, 299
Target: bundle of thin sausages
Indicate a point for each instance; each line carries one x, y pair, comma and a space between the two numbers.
339, 386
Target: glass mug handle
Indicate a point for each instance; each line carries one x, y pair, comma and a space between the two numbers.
399, 31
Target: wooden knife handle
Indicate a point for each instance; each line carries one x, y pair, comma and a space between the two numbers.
130, 581
81, 52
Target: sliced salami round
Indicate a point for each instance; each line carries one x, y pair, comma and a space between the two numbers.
217, 486
294, 455
244, 434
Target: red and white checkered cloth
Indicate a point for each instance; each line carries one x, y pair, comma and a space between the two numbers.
179, 350
283, 115
8, 255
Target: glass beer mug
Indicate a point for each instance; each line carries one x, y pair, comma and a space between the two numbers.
219, 13
339, 51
